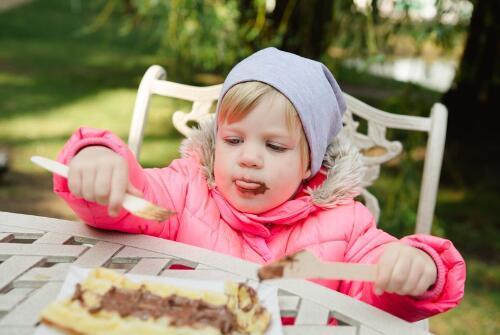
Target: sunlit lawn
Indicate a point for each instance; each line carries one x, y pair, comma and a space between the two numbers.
53, 80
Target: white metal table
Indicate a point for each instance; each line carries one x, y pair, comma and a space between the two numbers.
36, 252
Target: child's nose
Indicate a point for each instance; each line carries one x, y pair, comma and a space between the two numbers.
250, 158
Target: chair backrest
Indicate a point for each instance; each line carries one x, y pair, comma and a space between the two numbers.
374, 145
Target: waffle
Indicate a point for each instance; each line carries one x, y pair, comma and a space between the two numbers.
109, 303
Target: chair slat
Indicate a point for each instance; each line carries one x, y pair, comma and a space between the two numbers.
38, 276
363, 330
12, 298
388, 119
53, 238
26, 313
15, 266
311, 314
185, 92
202, 275
17, 330
320, 330
53, 252
150, 266
288, 302
134, 253
98, 254
21, 232
203, 267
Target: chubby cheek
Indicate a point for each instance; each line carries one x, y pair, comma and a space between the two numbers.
219, 168
284, 187
274, 199
222, 171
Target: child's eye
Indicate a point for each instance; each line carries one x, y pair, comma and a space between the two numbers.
275, 147
232, 140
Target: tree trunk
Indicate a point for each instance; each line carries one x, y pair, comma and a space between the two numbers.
473, 137
301, 27
309, 27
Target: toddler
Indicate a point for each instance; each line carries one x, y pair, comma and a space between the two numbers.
270, 176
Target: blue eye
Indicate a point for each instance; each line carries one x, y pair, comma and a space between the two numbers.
276, 148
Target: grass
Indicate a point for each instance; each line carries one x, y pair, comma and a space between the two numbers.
54, 79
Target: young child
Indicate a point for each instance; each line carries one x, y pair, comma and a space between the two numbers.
271, 176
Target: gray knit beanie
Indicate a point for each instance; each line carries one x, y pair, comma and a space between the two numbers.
309, 86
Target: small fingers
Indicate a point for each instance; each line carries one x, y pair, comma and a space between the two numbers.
102, 185
399, 274
88, 182
119, 183
75, 181
414, 276
384, 271
425, 281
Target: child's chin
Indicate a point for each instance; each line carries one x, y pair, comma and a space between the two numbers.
248, 203
251, 208
244, 206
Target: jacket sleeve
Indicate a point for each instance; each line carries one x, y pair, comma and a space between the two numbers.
165, 187
366, 245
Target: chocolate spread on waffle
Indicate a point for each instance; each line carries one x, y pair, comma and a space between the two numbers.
181, 311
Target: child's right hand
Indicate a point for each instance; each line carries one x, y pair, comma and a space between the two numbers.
98, 174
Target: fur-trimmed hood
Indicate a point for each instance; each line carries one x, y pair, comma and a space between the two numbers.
343, 168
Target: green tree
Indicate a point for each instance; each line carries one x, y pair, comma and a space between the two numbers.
473, 100
211, 35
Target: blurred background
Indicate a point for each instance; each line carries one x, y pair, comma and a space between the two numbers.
68, 63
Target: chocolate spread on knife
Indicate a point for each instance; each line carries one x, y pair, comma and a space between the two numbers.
275, 269
271, 271
182, 311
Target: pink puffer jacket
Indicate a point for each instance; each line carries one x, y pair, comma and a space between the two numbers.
324, 219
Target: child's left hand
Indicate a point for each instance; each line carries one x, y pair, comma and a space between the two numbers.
405, 270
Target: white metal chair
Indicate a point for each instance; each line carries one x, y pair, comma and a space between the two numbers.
374, 145
376, 148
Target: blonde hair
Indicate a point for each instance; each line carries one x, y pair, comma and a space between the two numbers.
242, 98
